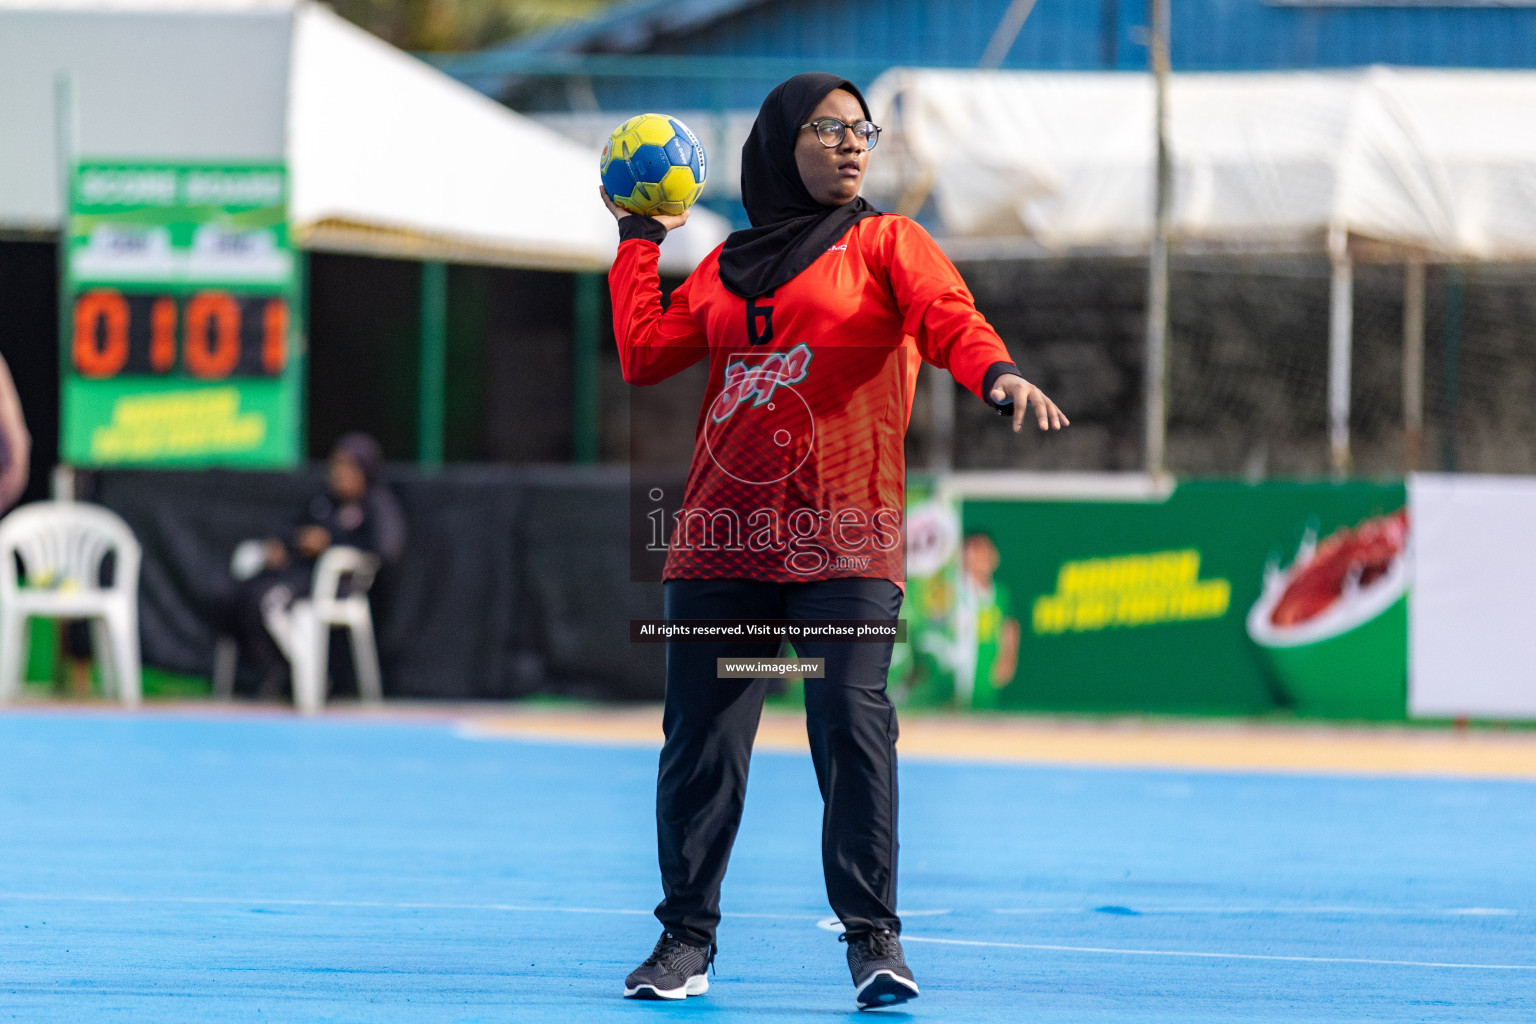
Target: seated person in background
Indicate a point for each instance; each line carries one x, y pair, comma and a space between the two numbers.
356, 510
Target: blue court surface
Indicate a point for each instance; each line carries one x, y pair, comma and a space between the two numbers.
171, 867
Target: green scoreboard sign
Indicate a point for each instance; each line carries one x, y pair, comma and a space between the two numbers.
181, 334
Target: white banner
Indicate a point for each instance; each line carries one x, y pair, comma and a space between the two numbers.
1472, 614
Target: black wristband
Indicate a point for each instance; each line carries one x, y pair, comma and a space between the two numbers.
995, 371
636, 226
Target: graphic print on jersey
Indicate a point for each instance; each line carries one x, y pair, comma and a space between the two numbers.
758, 378
775, 431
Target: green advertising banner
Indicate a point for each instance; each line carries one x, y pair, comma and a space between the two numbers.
923, 669
181, 329
1223, 598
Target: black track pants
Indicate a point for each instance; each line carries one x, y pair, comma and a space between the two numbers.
710, 724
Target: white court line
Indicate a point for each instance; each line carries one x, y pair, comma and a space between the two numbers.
285, 902
1236, 911
356, 904
383, 905
832, 924
1218, 956
520, 908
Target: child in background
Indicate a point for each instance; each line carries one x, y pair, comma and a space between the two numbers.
986, 633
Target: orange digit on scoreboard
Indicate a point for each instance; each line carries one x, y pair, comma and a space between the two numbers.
213, 335
162, 335
274, 345
106, 357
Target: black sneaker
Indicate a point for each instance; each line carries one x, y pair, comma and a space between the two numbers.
880, 973
674, 970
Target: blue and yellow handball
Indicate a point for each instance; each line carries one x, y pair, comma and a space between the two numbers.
653, 164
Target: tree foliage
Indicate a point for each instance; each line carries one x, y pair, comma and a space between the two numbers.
458, 25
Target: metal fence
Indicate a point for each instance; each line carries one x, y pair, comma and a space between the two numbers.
1248, 367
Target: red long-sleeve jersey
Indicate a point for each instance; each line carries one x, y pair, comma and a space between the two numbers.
798, 465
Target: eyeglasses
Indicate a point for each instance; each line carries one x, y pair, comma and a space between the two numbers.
831, 131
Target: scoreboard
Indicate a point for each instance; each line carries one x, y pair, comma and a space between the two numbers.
205, 335
180, 334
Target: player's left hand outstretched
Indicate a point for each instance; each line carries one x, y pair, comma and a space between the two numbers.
1010, 386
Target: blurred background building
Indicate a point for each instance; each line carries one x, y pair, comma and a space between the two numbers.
449, 252
1241, 329
1248, 355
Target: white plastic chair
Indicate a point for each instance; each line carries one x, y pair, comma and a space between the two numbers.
303, 630
61, 546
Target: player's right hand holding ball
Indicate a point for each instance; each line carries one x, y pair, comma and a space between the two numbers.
670, 221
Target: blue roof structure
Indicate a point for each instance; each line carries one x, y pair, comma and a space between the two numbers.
730, 50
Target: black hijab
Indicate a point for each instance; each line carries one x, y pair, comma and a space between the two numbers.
789, 228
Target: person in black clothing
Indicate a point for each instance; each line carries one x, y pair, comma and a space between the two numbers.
357, 510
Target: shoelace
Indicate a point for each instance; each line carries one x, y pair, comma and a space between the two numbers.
881, 943
669, 952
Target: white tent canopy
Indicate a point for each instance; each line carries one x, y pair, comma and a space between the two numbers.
1438, 161
1386, 163
386, 155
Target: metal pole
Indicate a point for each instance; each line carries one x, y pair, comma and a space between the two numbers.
584, 370
66, 133
62, 480
65, 127
719, 106
1007, 31
1340, 345
299, 351
434, 360
1156, 381
1450, 379
1413, 363
1109, 34
941, 420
